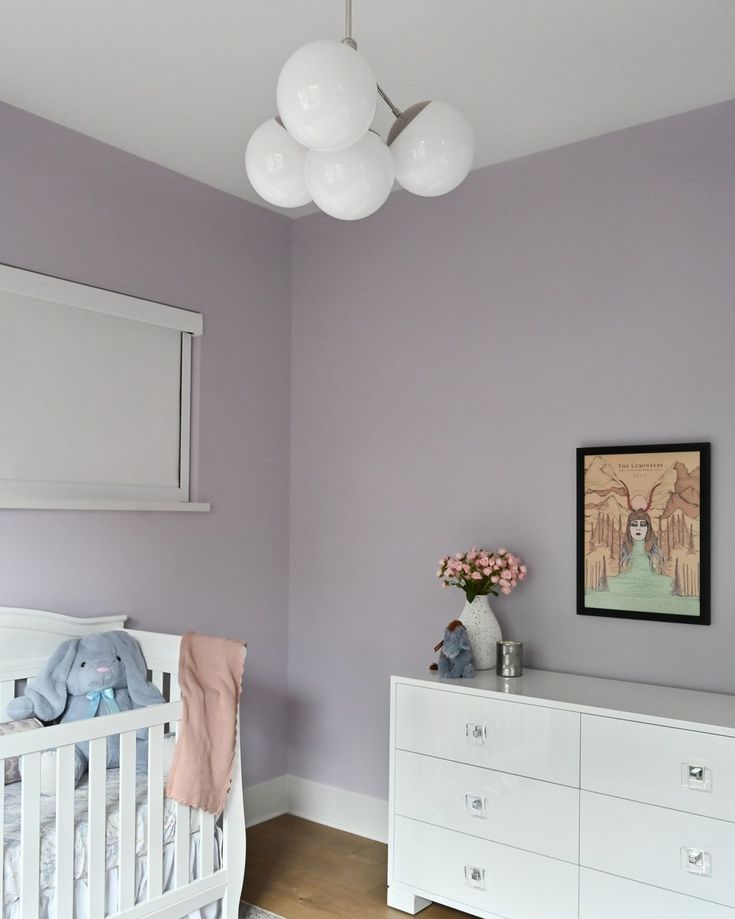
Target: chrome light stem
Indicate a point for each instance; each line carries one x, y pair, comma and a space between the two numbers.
349, 40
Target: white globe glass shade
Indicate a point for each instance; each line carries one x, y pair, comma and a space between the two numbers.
433, 146
326, 95
275, 163
353, 183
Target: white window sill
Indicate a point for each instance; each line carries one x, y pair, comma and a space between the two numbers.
80, 505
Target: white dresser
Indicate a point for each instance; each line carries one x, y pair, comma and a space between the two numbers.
555, 796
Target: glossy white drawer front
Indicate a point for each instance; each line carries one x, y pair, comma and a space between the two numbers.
602, 896
510, 809
687, 770
682, 852
529, 740
482, 875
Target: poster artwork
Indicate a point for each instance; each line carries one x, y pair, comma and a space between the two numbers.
643, 548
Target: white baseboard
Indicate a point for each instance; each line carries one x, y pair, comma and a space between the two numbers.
266, 800
335, 807
343, 810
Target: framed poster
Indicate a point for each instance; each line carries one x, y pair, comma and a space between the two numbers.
643, 524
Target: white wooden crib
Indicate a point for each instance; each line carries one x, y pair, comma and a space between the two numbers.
190, 860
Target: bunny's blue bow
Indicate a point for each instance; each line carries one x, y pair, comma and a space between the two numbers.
96, 697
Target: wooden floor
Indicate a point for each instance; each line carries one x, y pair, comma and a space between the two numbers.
303, 870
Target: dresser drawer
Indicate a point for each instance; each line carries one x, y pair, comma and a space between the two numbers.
653, 845
602, 896
529, 740
505, 808
687, 770
483, 875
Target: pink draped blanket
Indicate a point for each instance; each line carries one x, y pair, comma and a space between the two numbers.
210, 677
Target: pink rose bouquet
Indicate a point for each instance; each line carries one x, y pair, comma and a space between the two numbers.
480, 572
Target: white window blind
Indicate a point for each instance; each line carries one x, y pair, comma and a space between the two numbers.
94, 397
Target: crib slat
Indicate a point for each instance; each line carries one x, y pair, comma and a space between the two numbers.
96, 828
182, 843
2, 831
7, 694
175, 689
155, 811
206, 844
127, 821
30, 821
65, 831
157, 679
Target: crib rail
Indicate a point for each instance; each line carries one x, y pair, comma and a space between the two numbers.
74, 732
192, 883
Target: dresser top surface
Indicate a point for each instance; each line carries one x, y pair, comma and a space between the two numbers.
594, 695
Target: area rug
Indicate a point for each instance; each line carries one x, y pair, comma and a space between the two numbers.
255, 912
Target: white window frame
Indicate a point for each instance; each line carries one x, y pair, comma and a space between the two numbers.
80, 496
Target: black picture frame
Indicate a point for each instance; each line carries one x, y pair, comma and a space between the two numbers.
585, 533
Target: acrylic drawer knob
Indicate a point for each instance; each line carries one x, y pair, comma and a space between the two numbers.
474, 876
476, 733
696, 861
475, 805
696, 777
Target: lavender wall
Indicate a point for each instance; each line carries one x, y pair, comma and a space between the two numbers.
78, 209
448, 357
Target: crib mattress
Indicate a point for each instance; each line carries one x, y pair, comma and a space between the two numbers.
12, 853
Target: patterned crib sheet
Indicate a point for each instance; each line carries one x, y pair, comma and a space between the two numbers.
12, 850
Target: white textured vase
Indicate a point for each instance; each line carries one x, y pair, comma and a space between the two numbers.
484, 631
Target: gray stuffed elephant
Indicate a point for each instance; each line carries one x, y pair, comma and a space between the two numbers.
99, 674
455, 659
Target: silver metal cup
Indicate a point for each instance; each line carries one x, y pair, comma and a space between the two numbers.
509, 660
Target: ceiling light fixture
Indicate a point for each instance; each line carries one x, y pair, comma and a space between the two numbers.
321, 146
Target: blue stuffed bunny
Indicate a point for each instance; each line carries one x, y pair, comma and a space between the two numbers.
99, 674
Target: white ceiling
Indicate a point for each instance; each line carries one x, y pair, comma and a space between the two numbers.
184, 82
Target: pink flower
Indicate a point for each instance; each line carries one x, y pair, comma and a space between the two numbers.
477, 564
